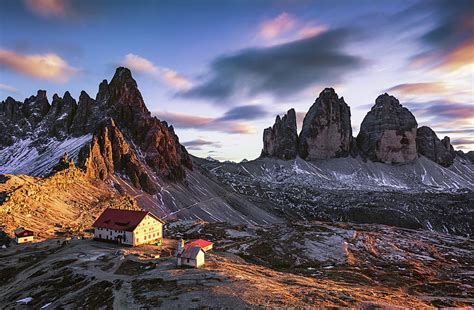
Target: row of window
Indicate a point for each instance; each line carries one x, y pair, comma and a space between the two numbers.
150, 237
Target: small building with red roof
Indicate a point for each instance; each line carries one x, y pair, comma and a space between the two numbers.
130, 227
201, 243
23, 235
192, 253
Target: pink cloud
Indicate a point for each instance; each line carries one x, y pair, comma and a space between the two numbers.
181, 120
41, 66
311, 31
275, 27
8, 88
168, 76
58, 8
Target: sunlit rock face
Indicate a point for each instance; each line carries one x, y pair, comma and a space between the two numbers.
109, 153
281, 140
326, 131
439, 151
158, 141
388, 132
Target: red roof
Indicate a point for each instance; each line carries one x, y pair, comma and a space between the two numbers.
117, 219
199, 243
23, 233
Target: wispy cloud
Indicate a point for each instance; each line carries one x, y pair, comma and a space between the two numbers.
245, 112
8, 88
199, 144
168, 76
449, 113
276, 26
41, 66
181, 120
419, 88
311, 31
279, 70
55, 8
461, 56
448, 43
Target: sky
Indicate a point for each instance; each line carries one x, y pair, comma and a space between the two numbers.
221, 71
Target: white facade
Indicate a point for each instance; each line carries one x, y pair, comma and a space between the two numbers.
196, 262
149, 230
124, 237
24, 239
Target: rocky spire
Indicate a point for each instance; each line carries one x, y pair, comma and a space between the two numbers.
388, 132
87, 115
281, 140
326, 131
124, 94
109, 153
36, 107
439, 151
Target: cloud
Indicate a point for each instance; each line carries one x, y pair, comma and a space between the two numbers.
139, 64
245, 112
448, 41
46, 8
8, 88
462, 141
168, 76
451, 131
41, 66
276, 26
461, 56
419, 88
443, 111
279, 70
186, 121
198, 144
311, 31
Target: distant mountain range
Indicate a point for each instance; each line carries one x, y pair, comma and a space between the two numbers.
392, 173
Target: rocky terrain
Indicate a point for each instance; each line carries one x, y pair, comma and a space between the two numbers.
311, 264
420, 194
114, 138
319, 219
35, 127
64, 203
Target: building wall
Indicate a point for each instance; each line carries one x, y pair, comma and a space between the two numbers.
110, 234
149, 230
24, 239
198, 262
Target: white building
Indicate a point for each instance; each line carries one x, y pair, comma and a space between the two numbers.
190, 255
23, 235
128, 227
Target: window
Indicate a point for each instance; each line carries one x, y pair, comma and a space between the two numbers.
153, 235
111, 233
137, 240
187, 260
144, 237
100, 236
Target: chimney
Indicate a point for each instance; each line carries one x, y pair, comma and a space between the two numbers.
180, 246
